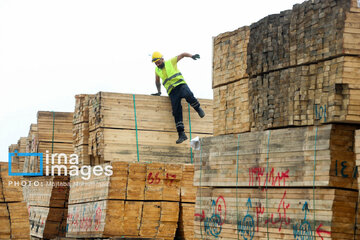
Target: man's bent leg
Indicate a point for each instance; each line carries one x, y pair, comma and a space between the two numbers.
189, 96
175, 98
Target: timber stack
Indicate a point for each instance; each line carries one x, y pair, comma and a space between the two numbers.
312, 52
270, 183
138, 200
47, 198
125, 127
46, 195
14, 219
357, 156
31, 163
20, 146
115, 127
297, 71
81, 128
15, 159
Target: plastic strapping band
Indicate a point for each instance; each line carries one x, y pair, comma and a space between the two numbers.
237, 180
200, 189
316, 133
53, 133
267, 180
191, 153
137, 139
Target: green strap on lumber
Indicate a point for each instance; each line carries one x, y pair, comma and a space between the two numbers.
316, 133
191, 153
267, 180
137, 139
200, 189
53, 133
237, 180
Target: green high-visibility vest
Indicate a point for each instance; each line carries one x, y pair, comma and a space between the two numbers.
170, 75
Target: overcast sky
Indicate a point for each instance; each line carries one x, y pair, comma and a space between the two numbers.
51, 50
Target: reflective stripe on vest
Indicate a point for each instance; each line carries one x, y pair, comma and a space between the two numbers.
174, 85
171, 76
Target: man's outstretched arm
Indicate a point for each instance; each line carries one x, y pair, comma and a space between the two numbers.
181, 56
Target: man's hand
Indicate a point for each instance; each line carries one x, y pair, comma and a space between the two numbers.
156, 94
195, 57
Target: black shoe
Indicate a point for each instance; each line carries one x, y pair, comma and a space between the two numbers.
201, 112
182, 137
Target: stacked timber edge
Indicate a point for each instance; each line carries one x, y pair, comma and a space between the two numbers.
138, 200
14, 219
296, 68
112, 127
46, 199
282, 184
51, 135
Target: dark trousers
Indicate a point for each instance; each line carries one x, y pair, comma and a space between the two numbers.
178, 93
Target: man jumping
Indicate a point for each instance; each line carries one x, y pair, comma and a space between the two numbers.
176, 88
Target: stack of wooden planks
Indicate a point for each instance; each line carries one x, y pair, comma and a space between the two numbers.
357, 157
322, 92
15, 159
22, 144
14, 219
187, 204
279, 184
31, 163
311, 51
81, 128
139, 200
230, 82
311, 32
47, 198
124, 127
51, 135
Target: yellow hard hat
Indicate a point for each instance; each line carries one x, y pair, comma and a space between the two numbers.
156, 56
